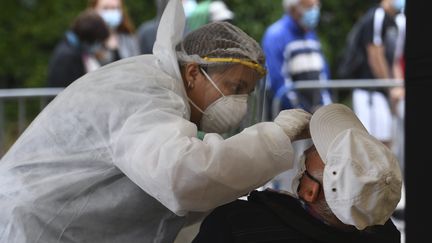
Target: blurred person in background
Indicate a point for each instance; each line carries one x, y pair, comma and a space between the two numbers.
189, 6
379, 36
115, 156
122, 41
148, 29
293, 52
208, 11
78, 51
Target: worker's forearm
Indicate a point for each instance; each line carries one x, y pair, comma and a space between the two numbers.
377, 61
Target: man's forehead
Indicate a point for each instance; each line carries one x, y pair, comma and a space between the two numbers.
313, 158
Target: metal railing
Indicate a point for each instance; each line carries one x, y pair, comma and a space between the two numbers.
348, 84
21, 96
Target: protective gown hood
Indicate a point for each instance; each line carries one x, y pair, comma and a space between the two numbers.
170, 32
114, 157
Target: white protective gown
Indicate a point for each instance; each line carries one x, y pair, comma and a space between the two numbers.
114, 157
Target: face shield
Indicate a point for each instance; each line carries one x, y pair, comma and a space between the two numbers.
241, 90
256, 105
234, 63
227, 96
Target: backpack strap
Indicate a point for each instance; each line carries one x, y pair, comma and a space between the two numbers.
378, 25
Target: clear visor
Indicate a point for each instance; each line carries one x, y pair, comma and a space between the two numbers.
256, 104
243, 88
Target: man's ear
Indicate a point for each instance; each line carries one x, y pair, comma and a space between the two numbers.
191, 74
309, 192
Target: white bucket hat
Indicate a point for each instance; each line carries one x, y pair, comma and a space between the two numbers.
362, 179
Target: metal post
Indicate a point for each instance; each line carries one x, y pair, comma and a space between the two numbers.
21, 115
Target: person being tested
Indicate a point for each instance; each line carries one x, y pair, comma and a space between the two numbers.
115, 156
344, 188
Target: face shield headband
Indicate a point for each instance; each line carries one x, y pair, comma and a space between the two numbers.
184, 58
255, 66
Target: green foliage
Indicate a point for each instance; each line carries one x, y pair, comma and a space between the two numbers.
141, 11
29, 32
30, 29
337, 17
254, 16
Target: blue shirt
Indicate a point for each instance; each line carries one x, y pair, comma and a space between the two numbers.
292, 54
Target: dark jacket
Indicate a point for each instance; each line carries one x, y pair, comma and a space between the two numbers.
272, 217
66, 64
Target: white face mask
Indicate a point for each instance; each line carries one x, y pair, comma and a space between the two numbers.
298, 173
225, 113
291, 178
112, 17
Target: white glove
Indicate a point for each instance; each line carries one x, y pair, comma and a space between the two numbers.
293, 122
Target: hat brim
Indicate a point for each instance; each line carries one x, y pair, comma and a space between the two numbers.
328, 122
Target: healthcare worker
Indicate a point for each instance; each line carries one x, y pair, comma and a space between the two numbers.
115, 156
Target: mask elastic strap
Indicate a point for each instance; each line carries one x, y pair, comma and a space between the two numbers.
199, 109
211, 81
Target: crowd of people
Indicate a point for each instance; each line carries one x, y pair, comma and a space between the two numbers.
86, 46
133, 149
293, 53
101, 34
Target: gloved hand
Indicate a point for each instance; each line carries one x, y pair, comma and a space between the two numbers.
294, 122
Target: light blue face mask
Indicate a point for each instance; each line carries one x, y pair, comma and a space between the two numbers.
398, 5
112, 17
310, 17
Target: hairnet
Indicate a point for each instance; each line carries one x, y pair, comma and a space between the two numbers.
221, 42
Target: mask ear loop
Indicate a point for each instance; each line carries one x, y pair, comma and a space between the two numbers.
211, 81
190, 85
196, 106
297, 178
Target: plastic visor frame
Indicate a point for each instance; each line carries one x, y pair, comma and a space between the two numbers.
255, 109
256, 102
256, 105
260, 69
